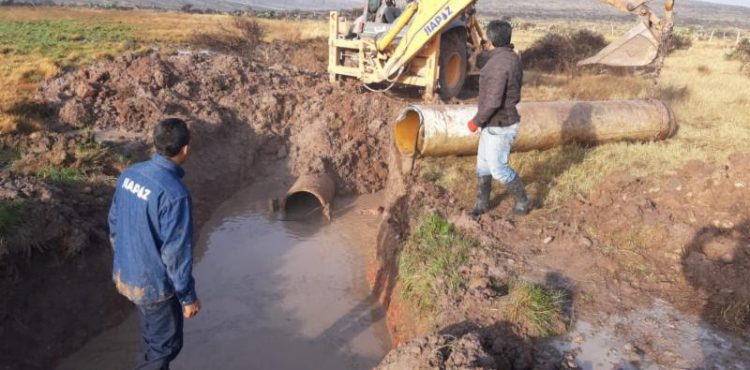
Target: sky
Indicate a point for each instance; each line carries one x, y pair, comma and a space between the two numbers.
732, 2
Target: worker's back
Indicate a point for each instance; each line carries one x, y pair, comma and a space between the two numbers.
148, 194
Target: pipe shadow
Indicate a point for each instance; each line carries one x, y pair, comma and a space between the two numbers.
717, 263
550, 165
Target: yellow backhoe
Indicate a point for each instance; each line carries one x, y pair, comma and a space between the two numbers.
434, 44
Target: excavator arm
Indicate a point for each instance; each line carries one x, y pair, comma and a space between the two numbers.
646, 44
642, 46
410, 51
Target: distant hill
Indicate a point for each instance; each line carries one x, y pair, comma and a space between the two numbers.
688, 12
220, 5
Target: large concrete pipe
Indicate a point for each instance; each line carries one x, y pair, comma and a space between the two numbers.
439, 130
320, 186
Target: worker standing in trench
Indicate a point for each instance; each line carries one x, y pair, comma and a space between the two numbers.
500, 83
151, 230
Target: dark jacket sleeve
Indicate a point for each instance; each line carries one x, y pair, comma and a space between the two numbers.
492, 83
177, 250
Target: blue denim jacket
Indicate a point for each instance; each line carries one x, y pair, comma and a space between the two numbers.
151, 230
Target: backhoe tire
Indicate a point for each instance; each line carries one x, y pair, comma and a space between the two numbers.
453, 63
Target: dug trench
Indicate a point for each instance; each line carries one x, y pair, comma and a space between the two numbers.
249, 122
672, 296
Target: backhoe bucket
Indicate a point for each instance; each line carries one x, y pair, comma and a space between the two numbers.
637, 48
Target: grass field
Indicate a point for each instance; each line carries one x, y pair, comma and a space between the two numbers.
40, 43
710, 97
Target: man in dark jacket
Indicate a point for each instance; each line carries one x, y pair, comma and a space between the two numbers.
500, 83
151, 230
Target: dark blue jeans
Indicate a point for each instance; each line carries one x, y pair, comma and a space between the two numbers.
161, 330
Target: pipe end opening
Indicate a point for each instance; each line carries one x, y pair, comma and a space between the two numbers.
303, 205
406, 131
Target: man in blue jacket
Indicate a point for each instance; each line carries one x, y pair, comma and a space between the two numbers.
151, 230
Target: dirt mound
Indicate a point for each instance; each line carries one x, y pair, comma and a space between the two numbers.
439, 352
465, 346
236, 104
66, 214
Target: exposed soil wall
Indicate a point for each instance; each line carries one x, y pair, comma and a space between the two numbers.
243, 115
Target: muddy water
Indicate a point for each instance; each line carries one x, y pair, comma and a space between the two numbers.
678, 341
276, 294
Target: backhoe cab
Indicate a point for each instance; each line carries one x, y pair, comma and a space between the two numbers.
434, 44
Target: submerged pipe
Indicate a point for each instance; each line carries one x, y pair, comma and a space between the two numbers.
321, 186
440, 130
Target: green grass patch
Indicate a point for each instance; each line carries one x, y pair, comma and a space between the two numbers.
62, 175
538, 309
61, 38
91, 154
430, 262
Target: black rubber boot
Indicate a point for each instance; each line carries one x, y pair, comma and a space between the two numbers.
517, 190
484, 187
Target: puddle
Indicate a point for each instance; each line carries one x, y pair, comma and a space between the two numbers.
276, 294
651, 339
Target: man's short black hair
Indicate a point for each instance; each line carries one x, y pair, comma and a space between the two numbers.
499, 33
170, 136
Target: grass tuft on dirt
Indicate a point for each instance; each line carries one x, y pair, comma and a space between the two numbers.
61, 175
736, 315
430, 262
538, 309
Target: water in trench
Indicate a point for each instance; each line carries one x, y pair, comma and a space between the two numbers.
276, 294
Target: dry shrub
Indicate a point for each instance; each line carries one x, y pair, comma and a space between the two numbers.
250, 30
557, 52
741, 53
679, 42
242, 40
586, 43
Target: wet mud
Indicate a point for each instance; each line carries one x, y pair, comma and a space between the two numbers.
277, 294
255, 118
